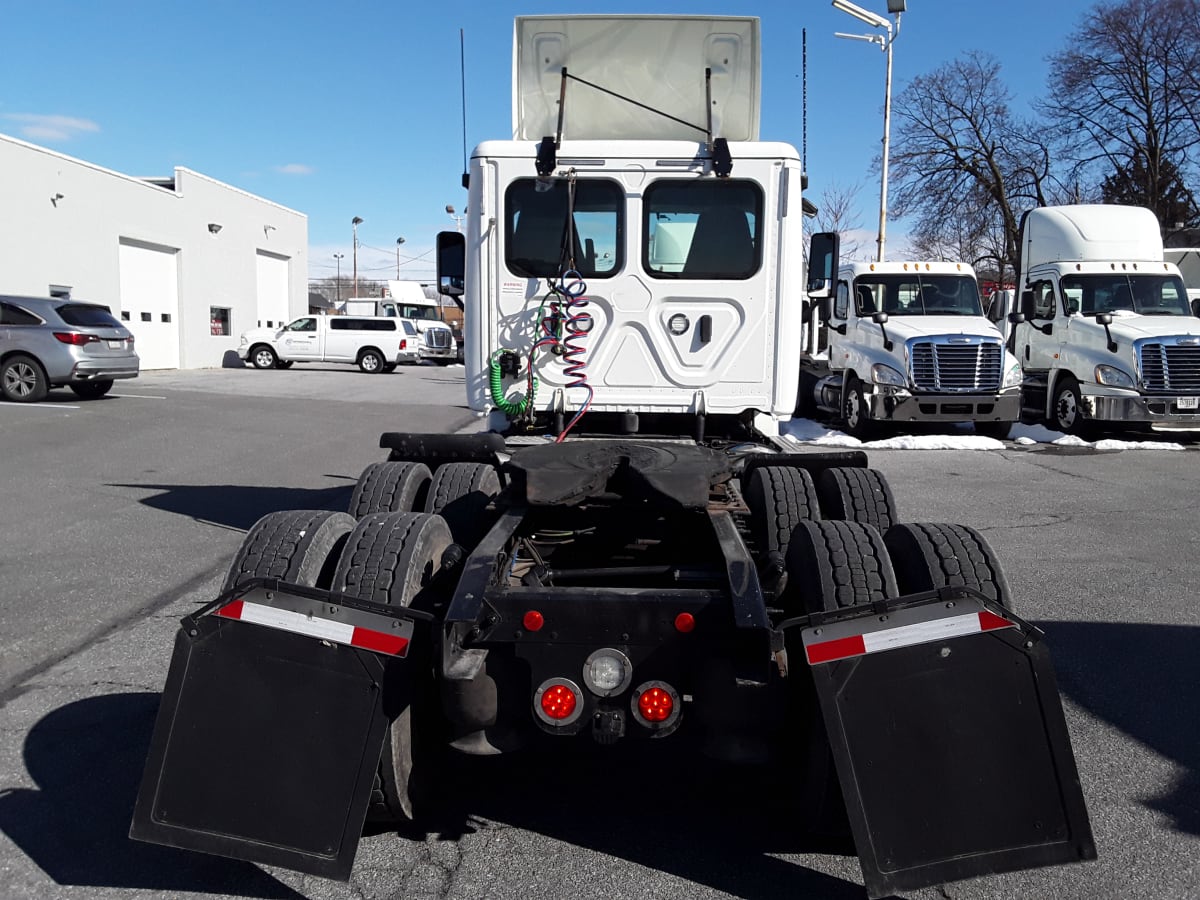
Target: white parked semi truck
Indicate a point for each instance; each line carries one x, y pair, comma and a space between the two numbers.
907, 342
630, 554
1108, 335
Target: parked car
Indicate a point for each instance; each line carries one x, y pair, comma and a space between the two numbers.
47, 343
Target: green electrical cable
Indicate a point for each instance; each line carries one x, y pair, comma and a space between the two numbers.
506, 406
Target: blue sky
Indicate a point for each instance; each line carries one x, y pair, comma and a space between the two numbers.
353, 109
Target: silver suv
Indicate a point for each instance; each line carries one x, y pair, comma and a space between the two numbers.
47, 343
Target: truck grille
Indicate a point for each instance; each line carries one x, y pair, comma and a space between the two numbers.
1171, 367
438, 338
938, 366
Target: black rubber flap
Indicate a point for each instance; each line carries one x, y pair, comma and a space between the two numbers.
671, 473
954, 761
265, 748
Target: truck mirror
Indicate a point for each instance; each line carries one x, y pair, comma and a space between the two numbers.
822, 263
1027, 305
825, 308
879, 318
451, 263
1016, 317
1104, 319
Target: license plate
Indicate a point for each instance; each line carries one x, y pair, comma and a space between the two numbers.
117, 345
1187, 402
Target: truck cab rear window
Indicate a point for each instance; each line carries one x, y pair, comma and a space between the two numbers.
537, 241
702, 229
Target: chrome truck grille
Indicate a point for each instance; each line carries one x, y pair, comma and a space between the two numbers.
940, 366
438, 338
1170, 367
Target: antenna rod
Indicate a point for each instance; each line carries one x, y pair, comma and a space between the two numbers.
462, 79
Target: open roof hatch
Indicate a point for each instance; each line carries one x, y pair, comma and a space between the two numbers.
658, 62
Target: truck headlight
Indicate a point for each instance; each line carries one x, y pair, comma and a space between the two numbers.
1114, 377
881, 374
1013, 377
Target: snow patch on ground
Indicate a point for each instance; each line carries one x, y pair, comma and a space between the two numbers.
806, 431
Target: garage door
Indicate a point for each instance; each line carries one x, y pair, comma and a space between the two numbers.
272, 301
150, 301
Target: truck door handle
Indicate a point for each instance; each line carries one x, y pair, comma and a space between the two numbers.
705, 329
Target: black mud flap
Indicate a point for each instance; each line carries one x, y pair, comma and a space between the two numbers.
950, 744
265, 747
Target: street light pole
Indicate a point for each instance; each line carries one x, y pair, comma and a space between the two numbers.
885, 44
399, 241
457, 219
338, 284
355, 222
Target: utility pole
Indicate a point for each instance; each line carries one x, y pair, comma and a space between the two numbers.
399, 241
338, 283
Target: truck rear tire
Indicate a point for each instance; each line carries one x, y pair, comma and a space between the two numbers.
460, 493
833, 565
263, 357
857, 495
391, 558
300, 546
390, 487
931, 556
779, 497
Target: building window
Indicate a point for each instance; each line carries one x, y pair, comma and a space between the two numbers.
146, 317
219, 320
124, 315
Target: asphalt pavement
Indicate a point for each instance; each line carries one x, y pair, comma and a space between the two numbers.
121, 515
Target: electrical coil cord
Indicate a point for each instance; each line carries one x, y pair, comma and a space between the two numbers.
563, 332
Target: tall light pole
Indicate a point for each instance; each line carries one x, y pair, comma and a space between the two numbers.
885, 44
355, 222
338, 257
457, 218
399, 241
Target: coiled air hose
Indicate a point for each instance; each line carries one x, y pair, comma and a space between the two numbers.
496, 380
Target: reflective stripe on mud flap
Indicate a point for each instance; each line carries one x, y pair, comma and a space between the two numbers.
391, 643
900, 628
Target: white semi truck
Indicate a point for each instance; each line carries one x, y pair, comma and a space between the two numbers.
1108, 335
907, 342
631, 554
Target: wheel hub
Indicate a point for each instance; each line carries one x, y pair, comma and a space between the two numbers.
20, 379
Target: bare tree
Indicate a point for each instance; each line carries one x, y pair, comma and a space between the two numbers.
963, 165
1125, 102
837, 210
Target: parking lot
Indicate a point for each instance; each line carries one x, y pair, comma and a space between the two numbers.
120, 515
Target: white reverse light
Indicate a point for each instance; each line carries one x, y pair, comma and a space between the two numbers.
607, 672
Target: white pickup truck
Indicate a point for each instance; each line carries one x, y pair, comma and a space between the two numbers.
373, 343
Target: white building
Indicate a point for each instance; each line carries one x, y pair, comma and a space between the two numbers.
186, 263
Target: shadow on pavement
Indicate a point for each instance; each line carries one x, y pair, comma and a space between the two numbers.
704, 822
239, 506
87, 759
1145, 680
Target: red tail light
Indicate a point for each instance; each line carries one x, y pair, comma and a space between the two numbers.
558, 702
74, 337
685, 622
533, 620
656, 705
404, 344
